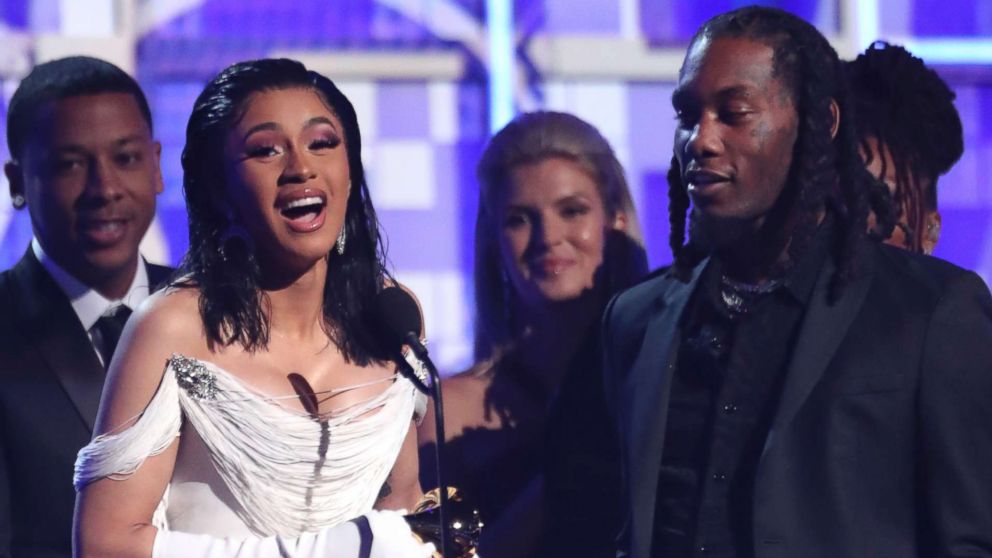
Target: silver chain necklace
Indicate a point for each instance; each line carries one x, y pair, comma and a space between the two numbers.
738, 297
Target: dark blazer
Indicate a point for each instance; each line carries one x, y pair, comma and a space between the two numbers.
882, 443
50, 385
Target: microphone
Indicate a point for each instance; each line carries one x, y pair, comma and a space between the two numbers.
400, 323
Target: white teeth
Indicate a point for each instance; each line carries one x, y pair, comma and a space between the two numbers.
303, 202
107, 226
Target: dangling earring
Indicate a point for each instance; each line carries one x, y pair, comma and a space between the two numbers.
233, 234
18, 201
933, 235
342, 238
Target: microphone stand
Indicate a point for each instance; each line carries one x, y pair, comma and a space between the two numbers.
413, 341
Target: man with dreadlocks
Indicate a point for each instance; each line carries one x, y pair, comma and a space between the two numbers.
789, 387
910, 134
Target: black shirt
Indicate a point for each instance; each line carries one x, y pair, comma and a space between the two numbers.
582, 464
724, 393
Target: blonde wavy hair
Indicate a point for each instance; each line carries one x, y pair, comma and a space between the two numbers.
531, 138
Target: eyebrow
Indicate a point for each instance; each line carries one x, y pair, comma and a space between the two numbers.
320, 120
682, 96
273, 126
572, 198
516, 207
77, 148
564, 200
133, 138
736, 91
259, 128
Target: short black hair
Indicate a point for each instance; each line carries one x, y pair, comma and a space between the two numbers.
910, 110
73, 76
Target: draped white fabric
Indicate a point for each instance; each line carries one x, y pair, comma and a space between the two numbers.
281, 472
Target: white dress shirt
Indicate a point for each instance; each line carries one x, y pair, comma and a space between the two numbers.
88, 304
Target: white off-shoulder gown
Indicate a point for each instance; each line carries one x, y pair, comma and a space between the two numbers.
248, 466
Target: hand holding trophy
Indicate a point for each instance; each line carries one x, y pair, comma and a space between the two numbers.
463, 522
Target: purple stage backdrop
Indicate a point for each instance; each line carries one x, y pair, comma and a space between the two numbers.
425, 119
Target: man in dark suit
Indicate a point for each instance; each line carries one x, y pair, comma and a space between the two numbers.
86, 167
789, 387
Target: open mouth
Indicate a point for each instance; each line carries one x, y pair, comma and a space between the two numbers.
304, 210
550, 267
103, 232
703, 178
705, 186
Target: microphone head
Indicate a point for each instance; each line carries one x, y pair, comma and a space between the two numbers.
397, 315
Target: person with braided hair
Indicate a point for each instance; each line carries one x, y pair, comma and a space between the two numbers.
774, 392
910, 134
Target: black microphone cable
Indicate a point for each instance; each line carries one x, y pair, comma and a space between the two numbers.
400, 317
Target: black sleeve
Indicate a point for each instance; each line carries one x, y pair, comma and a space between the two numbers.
6, 518
955, 424
610, 390
582, 462
6, 521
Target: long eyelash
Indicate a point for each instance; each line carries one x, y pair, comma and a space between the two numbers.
66, 165
514, 221
261, 150
326, 142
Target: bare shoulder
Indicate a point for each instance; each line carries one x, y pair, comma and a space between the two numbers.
169, 320
472, 380
465, 399
170, 311
464, 403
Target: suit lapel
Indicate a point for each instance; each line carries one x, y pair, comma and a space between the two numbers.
823, 328
648, 389
158, 275
50, 324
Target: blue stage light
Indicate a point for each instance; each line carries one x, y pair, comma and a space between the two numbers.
953, 51
502, 52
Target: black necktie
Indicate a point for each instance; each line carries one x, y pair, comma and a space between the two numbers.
110, 326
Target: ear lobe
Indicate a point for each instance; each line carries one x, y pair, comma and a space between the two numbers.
159, 181
835, 117
931, 232
620, 221
15, 180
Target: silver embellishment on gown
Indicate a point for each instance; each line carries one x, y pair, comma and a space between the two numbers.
193, 376
418, 366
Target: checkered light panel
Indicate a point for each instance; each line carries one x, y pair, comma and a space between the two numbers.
422, 138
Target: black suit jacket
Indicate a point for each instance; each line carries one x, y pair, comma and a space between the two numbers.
50, 386
882, 443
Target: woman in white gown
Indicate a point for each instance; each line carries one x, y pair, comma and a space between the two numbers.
250, 409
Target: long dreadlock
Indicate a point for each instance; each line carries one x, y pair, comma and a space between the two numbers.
909, 110
826, 171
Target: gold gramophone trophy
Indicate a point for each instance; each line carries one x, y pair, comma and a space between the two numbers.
464, 525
